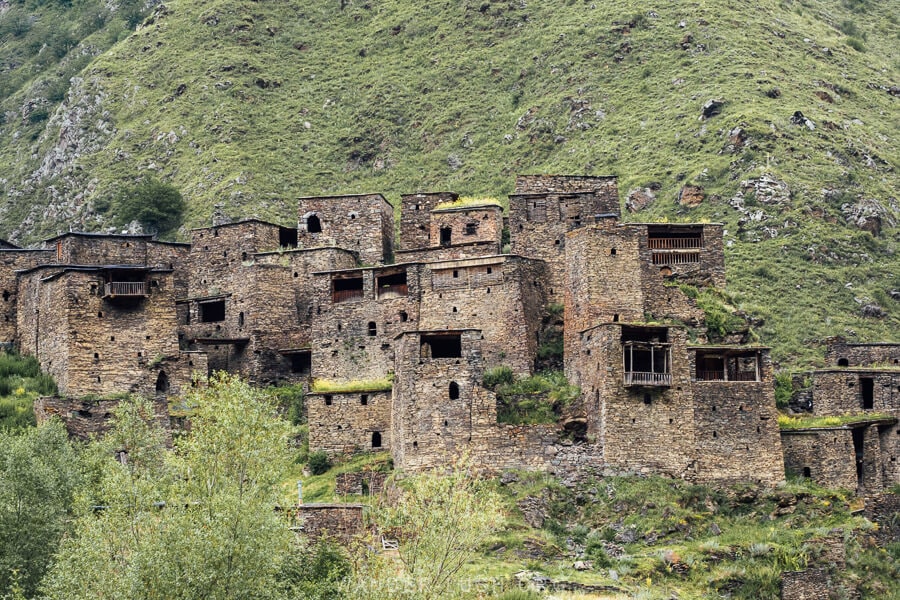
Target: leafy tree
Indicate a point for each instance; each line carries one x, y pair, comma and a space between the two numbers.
155, 205
440, 520
39, 472
195, 522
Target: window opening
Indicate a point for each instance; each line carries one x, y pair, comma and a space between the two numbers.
313, 224
364, 399
348, 288
391, 285
240, 319
843, 362
212, 312
162, 383
646, 356
376, 439
287, 237
453, 392
328, 400
403, 317
441, 346
301, 363
373, 329
446, 234
471, 228
807, 473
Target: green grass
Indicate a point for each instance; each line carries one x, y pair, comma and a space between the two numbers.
361, 385
539, 398
224, 99
320, 488
468, 202
21, 382
789, 423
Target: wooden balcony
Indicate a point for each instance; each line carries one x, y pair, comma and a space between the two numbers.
346, 295
686, 243
647, 378
125, 289
392, 291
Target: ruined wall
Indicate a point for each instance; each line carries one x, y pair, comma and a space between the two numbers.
497, 295
634, 423
415, 218
737, 434
12, 260
360, 483
827, 454
99, 249
41, 311
889, 441
86, 418
839, 352
842, 391
361, 223
353, 333
345, 422
339, 521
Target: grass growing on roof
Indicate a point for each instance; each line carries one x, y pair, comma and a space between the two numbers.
786, 422
383, 384
468, 201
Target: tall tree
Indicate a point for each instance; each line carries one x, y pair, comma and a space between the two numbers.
195, 522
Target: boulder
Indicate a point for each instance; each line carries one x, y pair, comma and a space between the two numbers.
691, 196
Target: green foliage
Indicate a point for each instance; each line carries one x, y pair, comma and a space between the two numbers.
290, 399
39, 472
539, 398
216, 533
495, 376
318, 462
440, 521
316, 572
21, 381
155, 205
720, 315
856, 43
811, 422
784, 389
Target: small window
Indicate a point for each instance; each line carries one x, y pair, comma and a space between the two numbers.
446, 236
455, 274
328, 400
240, 319
376, 439
612, 251
453, 391
6, 295
403, 317
489, 270
867, 392
373, 329
313, 224
364, 399
471, 228
843, 362
807, 473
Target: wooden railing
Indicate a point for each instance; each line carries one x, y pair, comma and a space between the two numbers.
125, 288
676, 258
346, 295
393, 291
646, 378
710, 375
690, 243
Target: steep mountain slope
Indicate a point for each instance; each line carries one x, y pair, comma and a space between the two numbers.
251, 104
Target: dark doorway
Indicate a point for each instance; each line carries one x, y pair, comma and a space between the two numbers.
446, 234
313, 224
867, 392
376, 439
162, 384
287, 238
843, 362
858, 434
454, 391
301, 363
212, 312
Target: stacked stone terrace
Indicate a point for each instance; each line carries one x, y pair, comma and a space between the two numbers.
335, 298
863, 381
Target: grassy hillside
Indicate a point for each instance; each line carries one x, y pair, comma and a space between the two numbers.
251, 104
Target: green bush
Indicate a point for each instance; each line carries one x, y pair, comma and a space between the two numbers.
856, 43
318, 462
152, 203
784, 389
316, 572
501, 375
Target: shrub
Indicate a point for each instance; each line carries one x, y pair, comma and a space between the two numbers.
856, 43
318, 462
153, 204
501, 375
784, 389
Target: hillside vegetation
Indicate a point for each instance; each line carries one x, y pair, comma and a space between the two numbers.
248, 105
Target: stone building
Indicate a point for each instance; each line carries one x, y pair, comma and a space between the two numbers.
335, 298
862, 453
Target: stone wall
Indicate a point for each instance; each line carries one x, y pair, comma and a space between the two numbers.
345, 422
361, 223
338, 521
353, 331
634, 422
12, 260
86, 418
415, 218
844, 391
545, 207
360, 483
810, 584
825, 455
839, 352
454, 252
500, 295
93, 344
465, 225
